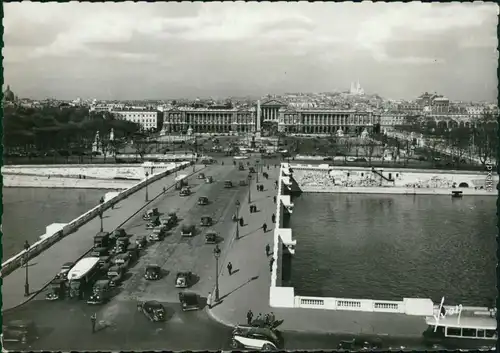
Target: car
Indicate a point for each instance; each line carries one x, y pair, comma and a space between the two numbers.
184, 279
115, 275
189, 301
201, 176
185, 191
157, 234
100, 292
203, 200
65, 269
188, 230
153, 272
266, 339
122, 260
153, 310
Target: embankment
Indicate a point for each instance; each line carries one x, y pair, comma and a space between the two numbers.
28, 181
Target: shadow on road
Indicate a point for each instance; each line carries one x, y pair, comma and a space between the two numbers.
250, 233
240, 286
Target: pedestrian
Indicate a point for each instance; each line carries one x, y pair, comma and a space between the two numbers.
268, 167
251, 208
273, 218
264, 227
274, 199
230, 268
209, 300
249, 317
257, 186
272, 318
241, 222
271, 264
164, 189
93, 319
267, 319
268, 249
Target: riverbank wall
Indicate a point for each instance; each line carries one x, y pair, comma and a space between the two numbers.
49, 239
29, 181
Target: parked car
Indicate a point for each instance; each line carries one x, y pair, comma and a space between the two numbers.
244, 337
189, 301
153, 310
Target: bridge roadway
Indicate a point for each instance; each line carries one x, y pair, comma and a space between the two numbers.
65, 325
43, 267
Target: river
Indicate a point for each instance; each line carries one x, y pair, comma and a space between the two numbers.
27, 211
394, 246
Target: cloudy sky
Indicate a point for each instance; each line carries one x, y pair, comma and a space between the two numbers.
173, 50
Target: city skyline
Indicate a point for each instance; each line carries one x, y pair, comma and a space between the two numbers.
174, 50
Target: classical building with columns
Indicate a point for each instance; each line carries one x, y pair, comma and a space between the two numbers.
316, 120
206, 120
267, 115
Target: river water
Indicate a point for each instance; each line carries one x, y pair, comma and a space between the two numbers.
394, 246
27, 211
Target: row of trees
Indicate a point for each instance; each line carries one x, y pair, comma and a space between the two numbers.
53, 128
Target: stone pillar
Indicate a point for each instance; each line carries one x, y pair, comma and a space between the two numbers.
258, 116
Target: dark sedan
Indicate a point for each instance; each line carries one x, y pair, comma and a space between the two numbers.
153, 310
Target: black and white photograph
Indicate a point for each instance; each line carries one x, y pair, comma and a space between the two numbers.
228, 176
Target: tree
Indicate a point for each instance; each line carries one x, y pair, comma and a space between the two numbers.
369, 149
140, 147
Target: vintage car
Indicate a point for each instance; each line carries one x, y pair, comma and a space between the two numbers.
65, 269
153, 272
211, 237
360, 345
206, 221
100, 292
201, 176
251, 170
153, 310
141, 242
188, 230
173, 216
104, 263
122, 260
150, 214
185, 191
57, 289
158, 234
183, 279
203, 200
98, 252
133, 251
154, 222
228, 184
241, 166
257, 338
102, 240
118, 233
209, 180
189, 301
115, 275
243, 182
121, 245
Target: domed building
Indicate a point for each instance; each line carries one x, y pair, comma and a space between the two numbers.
8, 95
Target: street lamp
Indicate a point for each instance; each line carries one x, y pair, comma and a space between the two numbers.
257, 167
249, 188
101, 201
147, 198
237, 219
216, 255
27, 258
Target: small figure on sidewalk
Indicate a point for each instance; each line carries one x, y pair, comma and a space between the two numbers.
241, 222
251, 208
268, 249
230, 268
254, 209
93, 320
164, 189
268, 167
209, 300
272, 318
273, 218
274, 199
264, 227
271, 264
249, 317
257, 186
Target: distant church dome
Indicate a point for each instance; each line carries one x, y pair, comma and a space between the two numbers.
8, 95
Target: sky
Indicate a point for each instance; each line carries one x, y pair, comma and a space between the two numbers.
188, 50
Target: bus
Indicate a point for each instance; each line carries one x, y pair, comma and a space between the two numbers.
467, 332
82, 276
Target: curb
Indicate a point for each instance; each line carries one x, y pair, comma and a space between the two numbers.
85, 254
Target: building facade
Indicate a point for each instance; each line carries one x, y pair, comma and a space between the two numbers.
147, 119
205, 120
389, 120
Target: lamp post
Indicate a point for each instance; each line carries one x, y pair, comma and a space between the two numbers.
257, 170
147, 198
237, 219
27, 258
101, 201
249, 188
216, 255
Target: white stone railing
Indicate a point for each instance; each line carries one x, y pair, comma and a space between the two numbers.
15, 261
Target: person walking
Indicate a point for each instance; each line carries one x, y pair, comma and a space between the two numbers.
273, 218
268, 249
93, 320
241, 222
271, 262
264, 227
249, 317
230, 268
209, 300
274, 199
272, 318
